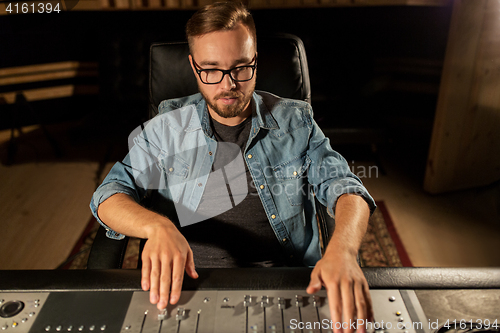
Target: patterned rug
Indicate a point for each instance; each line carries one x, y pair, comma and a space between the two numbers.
381, 246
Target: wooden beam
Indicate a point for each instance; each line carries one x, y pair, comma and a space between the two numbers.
465, 146
51, 93
55, 66
46, 72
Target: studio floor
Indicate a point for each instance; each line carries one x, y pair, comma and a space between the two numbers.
44, 199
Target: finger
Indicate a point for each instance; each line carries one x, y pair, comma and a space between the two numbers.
177, 278
335, 304
190, 267
369, 304
154, 280
361, 307
165, 280
348, 306
315, 283
146, 270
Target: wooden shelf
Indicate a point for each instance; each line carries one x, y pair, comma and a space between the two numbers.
260, 4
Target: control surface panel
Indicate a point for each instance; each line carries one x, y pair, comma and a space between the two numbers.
204, 311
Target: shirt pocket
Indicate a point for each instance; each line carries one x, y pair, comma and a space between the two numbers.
176, 171
292, 178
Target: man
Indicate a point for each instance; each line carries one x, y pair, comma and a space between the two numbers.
177, 158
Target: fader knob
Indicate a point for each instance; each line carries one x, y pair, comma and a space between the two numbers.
162, 315
181, 314
281, 303
264, 301
247, 300
299, 301
315, 301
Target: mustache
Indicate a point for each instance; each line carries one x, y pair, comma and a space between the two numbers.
233, 94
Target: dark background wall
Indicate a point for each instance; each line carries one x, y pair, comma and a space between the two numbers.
371, 67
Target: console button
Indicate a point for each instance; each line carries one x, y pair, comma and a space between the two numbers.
11, 308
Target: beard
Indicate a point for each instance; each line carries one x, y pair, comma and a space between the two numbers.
229, 111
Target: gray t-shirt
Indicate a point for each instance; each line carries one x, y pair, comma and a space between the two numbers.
242, 235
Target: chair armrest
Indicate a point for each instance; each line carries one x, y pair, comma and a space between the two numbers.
326, 224
106, 253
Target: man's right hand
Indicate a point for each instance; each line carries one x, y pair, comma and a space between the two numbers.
165, 257
166, 253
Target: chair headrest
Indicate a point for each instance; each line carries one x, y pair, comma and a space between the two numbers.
281, 69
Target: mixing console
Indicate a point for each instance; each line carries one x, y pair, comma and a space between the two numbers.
204, 311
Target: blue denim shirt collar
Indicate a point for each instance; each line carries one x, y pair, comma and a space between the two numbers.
261, 117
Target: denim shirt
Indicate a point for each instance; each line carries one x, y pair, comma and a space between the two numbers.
287, 154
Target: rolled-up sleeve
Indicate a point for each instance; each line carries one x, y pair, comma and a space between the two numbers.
330, 174
132, 176
118, 180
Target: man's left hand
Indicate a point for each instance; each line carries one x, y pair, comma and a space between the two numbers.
347, 289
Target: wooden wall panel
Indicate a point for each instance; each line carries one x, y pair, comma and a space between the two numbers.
465, 146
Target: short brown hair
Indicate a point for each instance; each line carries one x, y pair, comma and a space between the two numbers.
219, 16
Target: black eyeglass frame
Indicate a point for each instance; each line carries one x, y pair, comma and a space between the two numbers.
198, 70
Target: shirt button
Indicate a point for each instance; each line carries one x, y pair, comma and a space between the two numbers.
249, 156
284, 240
273, 216
261, 187
210, 153
295, 173
200, 184
171, 169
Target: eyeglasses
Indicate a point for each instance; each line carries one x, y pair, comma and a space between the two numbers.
237, 74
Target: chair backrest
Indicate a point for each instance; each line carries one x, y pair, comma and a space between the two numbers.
281, 69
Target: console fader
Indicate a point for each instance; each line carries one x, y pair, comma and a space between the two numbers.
204, 311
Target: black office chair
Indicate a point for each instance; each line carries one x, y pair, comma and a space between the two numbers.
282, 70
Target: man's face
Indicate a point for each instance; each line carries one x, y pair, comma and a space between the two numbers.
225, 50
